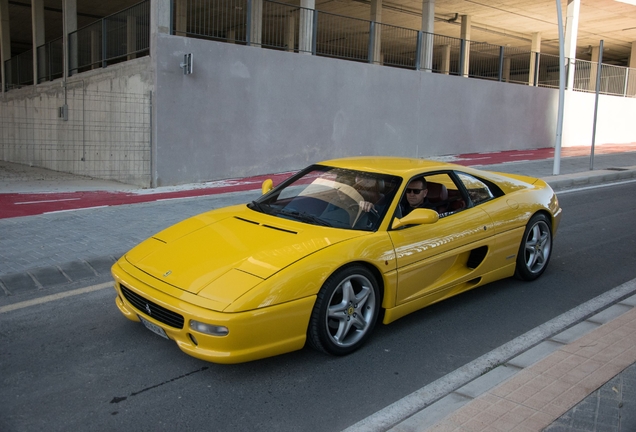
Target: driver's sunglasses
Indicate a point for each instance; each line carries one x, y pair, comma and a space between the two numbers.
413, 191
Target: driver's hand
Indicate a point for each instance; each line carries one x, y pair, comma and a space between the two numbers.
366, 206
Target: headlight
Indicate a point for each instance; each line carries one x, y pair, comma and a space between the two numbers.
209, 328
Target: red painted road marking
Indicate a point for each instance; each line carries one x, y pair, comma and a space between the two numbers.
17, 204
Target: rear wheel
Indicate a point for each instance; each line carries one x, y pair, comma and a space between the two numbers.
535, 249
345, 312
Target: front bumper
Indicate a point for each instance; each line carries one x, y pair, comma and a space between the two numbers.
252, 334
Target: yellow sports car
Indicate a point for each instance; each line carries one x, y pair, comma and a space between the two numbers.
328, 252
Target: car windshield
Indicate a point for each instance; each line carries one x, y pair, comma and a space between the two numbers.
332, 197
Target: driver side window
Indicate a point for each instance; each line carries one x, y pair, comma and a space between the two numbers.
436, 191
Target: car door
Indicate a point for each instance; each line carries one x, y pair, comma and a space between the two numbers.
432, 259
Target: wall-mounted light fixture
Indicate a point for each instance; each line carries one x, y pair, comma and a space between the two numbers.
187, 64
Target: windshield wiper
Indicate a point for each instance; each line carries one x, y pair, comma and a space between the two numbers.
261, 207
304, 217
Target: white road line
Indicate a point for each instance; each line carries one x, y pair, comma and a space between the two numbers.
53, 297
47, 201
604, 185
77, 209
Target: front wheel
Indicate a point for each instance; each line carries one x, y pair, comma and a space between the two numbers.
535, 249
345, 312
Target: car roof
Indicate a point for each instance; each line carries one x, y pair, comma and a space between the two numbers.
404, 167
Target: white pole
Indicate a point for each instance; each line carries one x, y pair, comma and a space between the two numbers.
559, 131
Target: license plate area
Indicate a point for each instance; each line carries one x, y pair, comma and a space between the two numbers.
153, 327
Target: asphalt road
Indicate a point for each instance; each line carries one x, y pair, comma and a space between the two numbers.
76, 364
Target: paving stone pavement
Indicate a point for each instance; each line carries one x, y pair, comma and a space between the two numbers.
610, 408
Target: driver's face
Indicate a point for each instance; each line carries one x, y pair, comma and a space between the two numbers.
415, 193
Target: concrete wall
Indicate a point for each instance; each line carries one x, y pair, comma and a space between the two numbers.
107, 134
248, 110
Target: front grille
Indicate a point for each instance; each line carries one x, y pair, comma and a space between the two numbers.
149, 308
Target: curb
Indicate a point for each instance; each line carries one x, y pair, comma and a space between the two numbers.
610, 175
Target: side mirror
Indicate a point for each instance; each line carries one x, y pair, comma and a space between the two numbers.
416, 217
267, 186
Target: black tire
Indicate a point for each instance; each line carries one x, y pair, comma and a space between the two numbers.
535, 248
345, 312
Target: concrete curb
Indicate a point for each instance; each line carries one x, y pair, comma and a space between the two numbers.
584, 178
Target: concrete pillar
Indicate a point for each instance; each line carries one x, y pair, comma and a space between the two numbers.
428, 28
159, 24
5, 41
465, 34
376, 17
231, 36
290, 33
131, 36
631, 78
95, 48
571, 31
506, 70
37, 28
306, 26
69, 24
180, 17
535, 48
446, 55
256, 29
594, 68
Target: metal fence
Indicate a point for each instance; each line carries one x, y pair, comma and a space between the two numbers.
50, 60
287, 27
18, 70
119, 37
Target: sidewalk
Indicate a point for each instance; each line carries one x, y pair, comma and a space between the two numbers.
580, 380
583, 379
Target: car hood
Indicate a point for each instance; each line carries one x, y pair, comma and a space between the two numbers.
222, 246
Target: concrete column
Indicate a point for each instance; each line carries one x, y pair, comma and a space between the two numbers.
180, 17
290, 33
69, 23
96, 45
535, 48
446, 54
37, 27
256, 29
306, 26
5, 41
506, 70
376, 16
131, 36
159, 24
571, 31
428, 28
631, 78
465, 34
594, 68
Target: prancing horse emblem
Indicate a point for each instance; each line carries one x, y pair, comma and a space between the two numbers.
148, 309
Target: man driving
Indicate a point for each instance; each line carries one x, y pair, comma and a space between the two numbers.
416, 197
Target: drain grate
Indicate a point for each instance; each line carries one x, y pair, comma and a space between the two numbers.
617, 169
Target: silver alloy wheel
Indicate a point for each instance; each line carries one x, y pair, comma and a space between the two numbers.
351, 311
538, 247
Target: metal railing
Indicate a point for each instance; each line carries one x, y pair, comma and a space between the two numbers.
50, 60
282, 26
18, 70
122, 36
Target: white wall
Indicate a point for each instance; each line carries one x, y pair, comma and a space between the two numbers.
248, 111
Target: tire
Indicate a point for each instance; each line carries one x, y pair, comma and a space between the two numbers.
535, 249
345, 312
